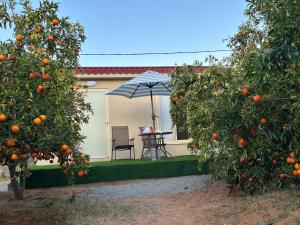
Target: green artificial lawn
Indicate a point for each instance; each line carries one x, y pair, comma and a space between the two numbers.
53, 176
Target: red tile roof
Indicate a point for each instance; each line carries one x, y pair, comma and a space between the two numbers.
127, 70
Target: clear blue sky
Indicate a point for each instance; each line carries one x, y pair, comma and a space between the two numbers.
134, 26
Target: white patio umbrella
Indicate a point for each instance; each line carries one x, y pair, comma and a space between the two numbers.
149, 83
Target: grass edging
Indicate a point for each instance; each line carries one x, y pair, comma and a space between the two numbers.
53, 176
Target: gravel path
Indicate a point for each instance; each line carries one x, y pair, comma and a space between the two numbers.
149, 187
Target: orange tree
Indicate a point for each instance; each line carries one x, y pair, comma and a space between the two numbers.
243, 113
41, 109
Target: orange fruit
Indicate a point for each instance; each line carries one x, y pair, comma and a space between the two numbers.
37, 30
293, 160
49, 38
297, 166
46, 76
175, 98
242, 142
37, 121
80, 173
295, 172
263, 121
2, 57
32, 47
2, 117
292, 154
32, 75
40, 89
15, 129
256, 98
14, 157
19, 37
64, 147
59, 42
245, 90
45, 61
288, 160
214, 136
69, 151
298, 172
55, 22
43, 118
10, 143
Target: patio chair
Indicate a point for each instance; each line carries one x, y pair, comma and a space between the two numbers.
152, 141
121, 141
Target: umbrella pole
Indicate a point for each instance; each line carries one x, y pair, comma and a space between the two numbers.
153, 115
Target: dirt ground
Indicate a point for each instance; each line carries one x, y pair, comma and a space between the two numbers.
210, 205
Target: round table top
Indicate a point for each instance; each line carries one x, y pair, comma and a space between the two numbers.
156, 133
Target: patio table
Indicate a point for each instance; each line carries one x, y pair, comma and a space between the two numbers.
156, 140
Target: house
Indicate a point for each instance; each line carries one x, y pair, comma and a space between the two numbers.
112, 111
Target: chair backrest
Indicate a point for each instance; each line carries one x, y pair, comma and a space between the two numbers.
148, 140
120, 134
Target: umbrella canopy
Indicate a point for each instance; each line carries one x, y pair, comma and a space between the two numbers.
148, 83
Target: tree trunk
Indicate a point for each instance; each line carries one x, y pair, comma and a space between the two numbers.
18, 180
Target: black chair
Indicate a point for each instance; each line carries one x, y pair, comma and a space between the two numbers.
121, 141
149, 141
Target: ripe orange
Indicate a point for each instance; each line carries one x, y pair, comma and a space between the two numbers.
37, 121
292, 154
295, 172
10, 143
297, 166
14, 157
59, 42
298, 172
64, 147
46, 76
245, 90
15, 129
43, 118
69, 151
37, 30
175, 98
2, 117
32, 47
293, 160
32, 75
49, 38
242, 142
263, 121
80, 173
55, 22
214, 136
19, 37
40, 89
2, 57
45, 61
288, 160
256, 98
